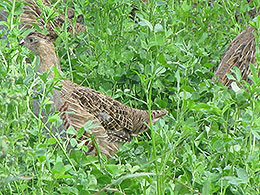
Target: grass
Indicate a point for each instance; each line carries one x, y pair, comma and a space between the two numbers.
209, 142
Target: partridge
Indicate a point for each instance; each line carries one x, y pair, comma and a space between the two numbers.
116, 122
240, 53
33, 15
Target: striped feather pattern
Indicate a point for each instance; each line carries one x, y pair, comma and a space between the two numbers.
116, 122
32, 15
240, 53
120, 122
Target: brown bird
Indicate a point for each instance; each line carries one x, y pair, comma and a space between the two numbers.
78, 105
33, 15
240, 53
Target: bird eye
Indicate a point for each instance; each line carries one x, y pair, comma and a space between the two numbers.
31, 40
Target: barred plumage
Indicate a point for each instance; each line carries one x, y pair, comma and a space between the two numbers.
240, 53
78, 105
33, 15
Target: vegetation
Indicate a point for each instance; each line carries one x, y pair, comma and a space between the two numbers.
209, 142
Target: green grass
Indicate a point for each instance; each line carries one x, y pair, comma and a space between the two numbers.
209, 142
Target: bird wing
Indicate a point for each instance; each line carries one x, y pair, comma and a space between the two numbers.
32, 15
73, 114
113, 116
240, 53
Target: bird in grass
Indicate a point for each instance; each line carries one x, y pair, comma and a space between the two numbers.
240, 53
33, 15
115, 121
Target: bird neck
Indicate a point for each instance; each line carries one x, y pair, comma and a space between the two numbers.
48, 59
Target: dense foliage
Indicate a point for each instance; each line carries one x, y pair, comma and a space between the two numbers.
165, 59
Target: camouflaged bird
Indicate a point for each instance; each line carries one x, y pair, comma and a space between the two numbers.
240, 53
78, 105
32, 15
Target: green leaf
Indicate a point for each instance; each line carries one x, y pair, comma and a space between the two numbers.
4, 23
54, 118
73, 142
104, 179
230, 77
120, 179
235, 87
18, 8
58, 166
109, 32
114, 169
144, 22
206, 187
71, 131
68, 190
202, 106
161, 59
242, 174
56, 72
237, 72
51, 141
158, 28
255, 133
40, 152
233, 180
88, 125
177, 75
254, 72
185, 95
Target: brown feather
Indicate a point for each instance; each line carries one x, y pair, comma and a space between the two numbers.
116, 122
240, 53
33, 15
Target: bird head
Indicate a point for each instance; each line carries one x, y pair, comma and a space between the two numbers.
37, 42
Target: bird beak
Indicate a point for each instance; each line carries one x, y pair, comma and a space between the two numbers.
21, 42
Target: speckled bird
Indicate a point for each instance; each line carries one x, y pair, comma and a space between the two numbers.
240, 53
32, 15
78, 104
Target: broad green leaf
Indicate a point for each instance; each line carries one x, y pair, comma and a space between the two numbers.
158, 28
144, 22
54, 118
